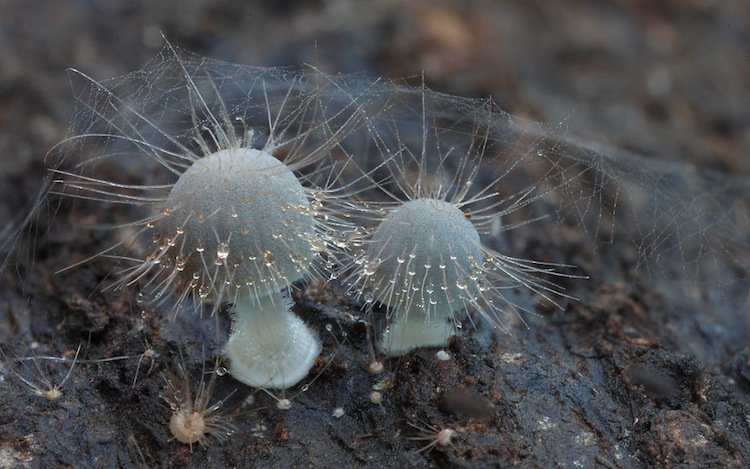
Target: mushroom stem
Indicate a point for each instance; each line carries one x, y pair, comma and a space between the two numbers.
411, 331
270, 347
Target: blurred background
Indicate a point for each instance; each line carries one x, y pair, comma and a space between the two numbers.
668, 78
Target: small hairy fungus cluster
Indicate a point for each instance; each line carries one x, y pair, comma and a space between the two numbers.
235, 215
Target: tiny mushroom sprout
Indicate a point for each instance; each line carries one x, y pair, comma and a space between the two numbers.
195, 418
426, 260
235, 215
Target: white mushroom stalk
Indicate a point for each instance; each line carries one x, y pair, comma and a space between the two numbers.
283, 348
234, 218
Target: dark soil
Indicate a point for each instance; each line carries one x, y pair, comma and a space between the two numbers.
629, 376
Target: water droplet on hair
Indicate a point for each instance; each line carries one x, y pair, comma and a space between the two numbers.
317, 244
222, 251
371, 268
268, 258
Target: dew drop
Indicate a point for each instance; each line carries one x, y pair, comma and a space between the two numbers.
222, 251
371, 267
268, 258
317, 244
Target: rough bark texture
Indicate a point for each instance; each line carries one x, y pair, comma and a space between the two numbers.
623, 378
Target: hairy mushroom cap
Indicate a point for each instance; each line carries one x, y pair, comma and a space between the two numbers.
423, 256
240, 218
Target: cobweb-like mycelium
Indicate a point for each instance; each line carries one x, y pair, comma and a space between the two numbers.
477, 204
537, 201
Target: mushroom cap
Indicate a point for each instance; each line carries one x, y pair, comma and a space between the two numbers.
239, 218
425, 258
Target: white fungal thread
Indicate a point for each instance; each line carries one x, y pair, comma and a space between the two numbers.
148, 354
39, 379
